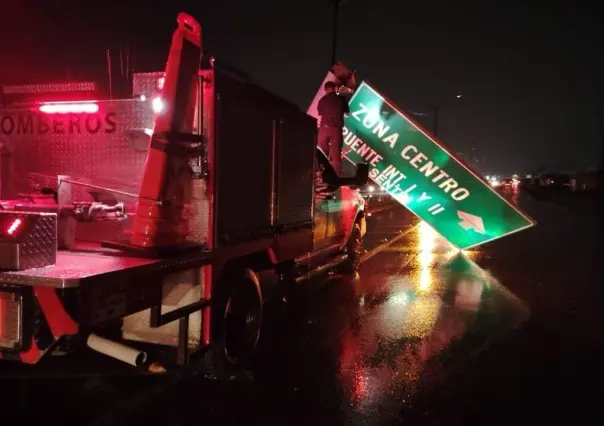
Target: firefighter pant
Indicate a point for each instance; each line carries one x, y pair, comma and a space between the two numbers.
330, 142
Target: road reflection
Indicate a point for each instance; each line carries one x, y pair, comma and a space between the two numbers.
420, 323
427, 243
330, 359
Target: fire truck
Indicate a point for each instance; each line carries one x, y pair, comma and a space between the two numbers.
163, 220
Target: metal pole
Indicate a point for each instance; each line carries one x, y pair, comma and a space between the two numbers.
334, 43
602, 147
101, 188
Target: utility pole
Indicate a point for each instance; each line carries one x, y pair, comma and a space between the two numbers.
601, 165
336, 17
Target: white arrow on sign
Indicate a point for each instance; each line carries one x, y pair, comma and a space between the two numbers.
469, 221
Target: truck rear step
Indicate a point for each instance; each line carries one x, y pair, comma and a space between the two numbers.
306, 274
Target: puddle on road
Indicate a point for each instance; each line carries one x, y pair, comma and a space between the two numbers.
428, 311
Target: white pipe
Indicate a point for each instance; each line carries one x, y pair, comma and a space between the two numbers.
116, 350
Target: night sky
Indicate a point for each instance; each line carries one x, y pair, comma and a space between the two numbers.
531, 76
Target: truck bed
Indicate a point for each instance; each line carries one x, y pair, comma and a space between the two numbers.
90, 262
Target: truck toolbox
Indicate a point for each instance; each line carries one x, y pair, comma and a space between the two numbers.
264, 146
296, 150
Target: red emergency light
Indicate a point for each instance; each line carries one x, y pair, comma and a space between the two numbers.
69, 108
13, 227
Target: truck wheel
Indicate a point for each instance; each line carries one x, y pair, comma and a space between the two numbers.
237, 319
354, 249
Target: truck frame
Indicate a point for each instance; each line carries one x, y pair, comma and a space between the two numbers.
263, 211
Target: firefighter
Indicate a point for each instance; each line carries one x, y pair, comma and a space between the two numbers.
332, 109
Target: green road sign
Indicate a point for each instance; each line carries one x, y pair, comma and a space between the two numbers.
423, 176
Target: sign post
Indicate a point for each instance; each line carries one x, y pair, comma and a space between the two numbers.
423, 176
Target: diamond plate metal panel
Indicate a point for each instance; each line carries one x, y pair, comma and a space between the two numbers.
108, 149
92, 147
146, 83
34, 246
39, 247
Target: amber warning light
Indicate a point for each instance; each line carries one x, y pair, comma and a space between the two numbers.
69, 108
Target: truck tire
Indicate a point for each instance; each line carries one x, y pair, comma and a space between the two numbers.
354, 249
237, 321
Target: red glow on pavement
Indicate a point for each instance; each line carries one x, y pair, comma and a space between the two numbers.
70, 108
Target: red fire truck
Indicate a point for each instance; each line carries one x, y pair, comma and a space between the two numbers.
168, 218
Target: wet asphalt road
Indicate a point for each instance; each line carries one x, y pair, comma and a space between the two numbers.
506, 334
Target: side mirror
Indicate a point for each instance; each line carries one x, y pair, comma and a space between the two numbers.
361, 177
